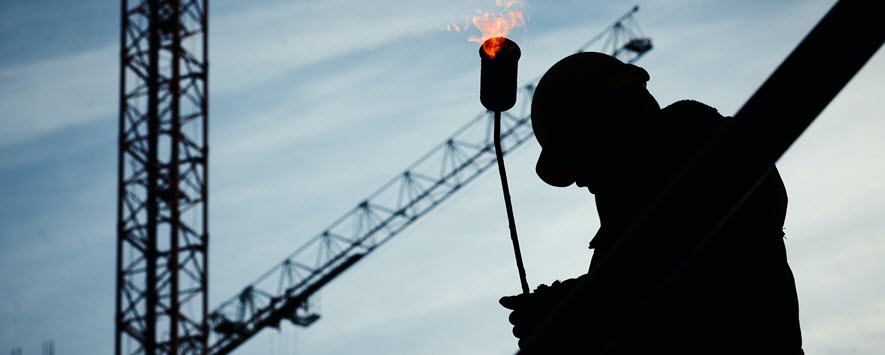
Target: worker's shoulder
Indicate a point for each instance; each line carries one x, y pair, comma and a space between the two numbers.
691, 117
692, 109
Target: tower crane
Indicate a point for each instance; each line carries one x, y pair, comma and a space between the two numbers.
284, 292
162, 238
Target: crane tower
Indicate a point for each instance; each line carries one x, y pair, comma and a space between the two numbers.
162, 238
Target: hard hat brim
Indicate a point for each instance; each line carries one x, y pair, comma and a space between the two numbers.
553, 172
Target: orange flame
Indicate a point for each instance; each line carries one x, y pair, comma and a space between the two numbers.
495, 25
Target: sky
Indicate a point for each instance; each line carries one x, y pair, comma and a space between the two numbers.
316, 103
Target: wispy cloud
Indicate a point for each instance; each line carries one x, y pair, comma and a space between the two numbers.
265, 42
46, 95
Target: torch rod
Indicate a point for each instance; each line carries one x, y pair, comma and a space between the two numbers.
499, 154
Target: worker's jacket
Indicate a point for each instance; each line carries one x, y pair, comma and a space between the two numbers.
736, 295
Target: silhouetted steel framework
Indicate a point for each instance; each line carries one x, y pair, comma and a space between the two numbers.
623, 39
161, 303
284, 292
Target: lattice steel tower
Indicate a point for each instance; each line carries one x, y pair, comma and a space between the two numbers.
162, 216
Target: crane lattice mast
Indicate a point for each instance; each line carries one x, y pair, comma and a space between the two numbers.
162, 238
285, 291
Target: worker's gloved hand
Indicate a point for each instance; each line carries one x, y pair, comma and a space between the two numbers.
530, 310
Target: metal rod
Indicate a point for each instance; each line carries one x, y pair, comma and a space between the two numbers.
119, 317
152, 292
499, 155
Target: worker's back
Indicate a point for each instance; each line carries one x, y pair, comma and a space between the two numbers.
669, 287
735, 295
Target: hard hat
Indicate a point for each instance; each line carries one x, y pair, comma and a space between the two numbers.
575, 81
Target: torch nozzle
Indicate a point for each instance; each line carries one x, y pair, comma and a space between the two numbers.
497, 85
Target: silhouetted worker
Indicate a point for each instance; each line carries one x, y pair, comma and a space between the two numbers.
601, 129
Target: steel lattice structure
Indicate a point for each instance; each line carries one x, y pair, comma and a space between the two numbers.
161, 305
284, 292
622, 39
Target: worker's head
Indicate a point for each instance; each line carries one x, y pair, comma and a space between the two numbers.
588, 111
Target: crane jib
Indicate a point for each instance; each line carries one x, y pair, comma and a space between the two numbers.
425, 184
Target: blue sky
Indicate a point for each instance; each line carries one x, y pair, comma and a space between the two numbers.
314, 104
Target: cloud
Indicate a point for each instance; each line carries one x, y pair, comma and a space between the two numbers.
264, 42
50, 94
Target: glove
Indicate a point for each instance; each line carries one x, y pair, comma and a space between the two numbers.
530, 310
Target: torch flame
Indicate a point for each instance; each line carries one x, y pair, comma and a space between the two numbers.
495, 25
